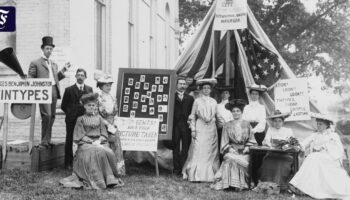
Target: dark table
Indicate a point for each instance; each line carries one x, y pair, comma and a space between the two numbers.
261, 151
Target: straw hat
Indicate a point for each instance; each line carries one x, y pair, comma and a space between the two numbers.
105, 79
211, 81
279, 114
259, 88
323, 117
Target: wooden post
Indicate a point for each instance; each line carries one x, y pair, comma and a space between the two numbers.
5, 132
32, 127
156, 163
214, 54
228, 59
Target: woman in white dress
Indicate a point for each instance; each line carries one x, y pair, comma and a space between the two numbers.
203, 157
322, 175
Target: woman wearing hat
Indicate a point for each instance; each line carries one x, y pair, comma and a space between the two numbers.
235, 142
108, 109
276, 168
203, 158
94, 165
322, 175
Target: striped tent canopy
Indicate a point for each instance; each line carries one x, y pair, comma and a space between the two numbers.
250, 49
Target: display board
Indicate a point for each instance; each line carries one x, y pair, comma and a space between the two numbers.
148, 93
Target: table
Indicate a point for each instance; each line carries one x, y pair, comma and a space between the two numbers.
255, 151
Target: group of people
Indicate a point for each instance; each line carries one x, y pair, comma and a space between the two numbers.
320, 176
211, 140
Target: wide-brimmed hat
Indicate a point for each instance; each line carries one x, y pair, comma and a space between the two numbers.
47, 40
236, 103
105, 79
279, 114
210, 81
322, 117
259, 88
90, 97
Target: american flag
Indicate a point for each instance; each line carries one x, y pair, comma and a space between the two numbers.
263, 63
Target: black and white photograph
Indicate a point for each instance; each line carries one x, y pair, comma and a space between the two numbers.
132, 113
144, 108
126, 99
149, 94
154, 88
136, 95
160, 117
130, 81
151, 110
146, 86
135, 104
127, 91
151, 101
137, 85
159, 98
165, 98
125, 108
163, 127
157, 80
142, 78
143, 98
160, 88
165, 80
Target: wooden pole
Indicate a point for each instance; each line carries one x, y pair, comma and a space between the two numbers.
156, 163
5, 132
214, 53
32, 127
228, 59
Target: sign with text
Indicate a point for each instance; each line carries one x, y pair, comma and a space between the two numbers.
231, 15
138, 134
25, 91
291, 96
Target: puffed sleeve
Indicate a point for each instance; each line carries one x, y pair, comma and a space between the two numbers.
32, 71
79, 131
225, 141
307, 141
220, 121
335, 147
261, 113
192, 117
103, 129
251, 140
267, 139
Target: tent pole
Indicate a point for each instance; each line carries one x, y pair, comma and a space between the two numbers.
214, 54
227, 62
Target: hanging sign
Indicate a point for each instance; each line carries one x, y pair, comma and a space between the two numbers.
231, 15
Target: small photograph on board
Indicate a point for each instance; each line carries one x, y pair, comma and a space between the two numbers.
143, 98
132, 113
130, 81
127, 91
159, 98
163, 128
146, 86
162, 108
165, 80
151, 110
126, 99
137, 85
157, 81
151, 101
125, 108
160, 117
135, 105
144, 108
165, 97
154, 88
136, 95
160, 88
149, 94
142, 78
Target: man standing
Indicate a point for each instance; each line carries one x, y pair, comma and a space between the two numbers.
181, 130
43, 67
72, 107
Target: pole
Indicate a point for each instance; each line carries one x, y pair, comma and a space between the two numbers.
156, 163
32, 127
214, 53
228, 59
5, 132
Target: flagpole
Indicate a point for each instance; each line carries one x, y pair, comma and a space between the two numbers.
213, 54
227, 62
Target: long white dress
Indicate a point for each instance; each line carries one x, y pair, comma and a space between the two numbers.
321, 174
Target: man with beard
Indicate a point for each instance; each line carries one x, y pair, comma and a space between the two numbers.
73, 108
181, 131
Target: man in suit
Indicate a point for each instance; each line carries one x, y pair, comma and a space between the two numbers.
72, 107
43, 67
181, 130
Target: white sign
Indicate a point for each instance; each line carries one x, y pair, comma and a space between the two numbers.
231, 15
138, 134
25, 91
291, 96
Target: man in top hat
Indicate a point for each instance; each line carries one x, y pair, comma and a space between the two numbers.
43, 67
72, 107
181, 130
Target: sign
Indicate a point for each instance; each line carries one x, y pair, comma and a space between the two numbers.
25, 91
291, 96
7, 19
138, 134
148, 93
231, 15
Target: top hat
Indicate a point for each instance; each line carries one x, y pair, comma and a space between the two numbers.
205, 81
278, 114
47, 40
259, 88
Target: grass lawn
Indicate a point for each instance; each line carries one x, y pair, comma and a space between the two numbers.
141, 183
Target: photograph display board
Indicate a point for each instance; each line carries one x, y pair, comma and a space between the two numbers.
148, 93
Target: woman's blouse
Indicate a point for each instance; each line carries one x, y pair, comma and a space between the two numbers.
107, 105
255, 112
236, 134
326, 141
90, 126
277, 134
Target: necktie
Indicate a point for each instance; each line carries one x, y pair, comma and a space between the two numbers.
181, 96
81, 89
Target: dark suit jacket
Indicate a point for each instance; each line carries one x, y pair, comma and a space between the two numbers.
182, 108
71, 105
39, 69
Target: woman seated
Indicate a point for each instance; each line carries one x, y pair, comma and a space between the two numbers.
322, 175
94, 164
235, 142
276, 167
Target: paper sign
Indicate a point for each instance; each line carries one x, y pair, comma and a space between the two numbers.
231, 15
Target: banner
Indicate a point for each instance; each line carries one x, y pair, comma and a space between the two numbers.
138, 134
231, 15
25, 91
291, 96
